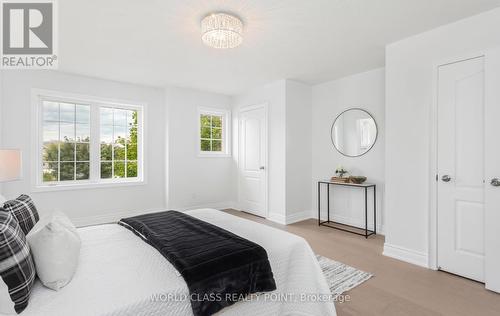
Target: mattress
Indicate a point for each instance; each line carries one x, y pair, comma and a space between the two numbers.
119, 274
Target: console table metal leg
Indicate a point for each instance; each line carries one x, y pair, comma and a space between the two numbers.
366, 213
328, 201
375, 210
319, 203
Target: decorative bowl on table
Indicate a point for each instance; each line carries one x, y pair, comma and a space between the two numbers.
357, 179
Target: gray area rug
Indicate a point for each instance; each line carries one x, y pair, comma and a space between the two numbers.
341, 277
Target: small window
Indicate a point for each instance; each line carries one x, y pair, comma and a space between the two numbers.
213, 139
87, 142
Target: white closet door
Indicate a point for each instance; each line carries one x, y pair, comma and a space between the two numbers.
252, 160
492, 170
461, 166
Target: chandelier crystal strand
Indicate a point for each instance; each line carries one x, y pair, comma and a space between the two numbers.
222, 30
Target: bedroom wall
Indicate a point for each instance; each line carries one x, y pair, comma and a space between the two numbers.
409, 76
365, 90
195, 182
298, 151
274, 94
84, 206
289, 124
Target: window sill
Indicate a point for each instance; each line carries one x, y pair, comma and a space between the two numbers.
84, 186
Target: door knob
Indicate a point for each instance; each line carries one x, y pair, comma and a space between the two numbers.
495, 182
446, 178
262, 168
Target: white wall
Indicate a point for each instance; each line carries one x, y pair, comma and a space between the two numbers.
195, 181
274, 95
298, 151
366, 91
88, 205
410, 67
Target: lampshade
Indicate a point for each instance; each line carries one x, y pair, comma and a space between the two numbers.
222, 30
10, 164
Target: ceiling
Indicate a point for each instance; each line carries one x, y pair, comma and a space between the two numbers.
158, 42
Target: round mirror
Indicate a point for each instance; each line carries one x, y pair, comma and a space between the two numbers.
354, 132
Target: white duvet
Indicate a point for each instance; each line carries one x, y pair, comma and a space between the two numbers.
119, 274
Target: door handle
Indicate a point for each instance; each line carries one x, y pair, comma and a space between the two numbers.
446, 178
262, 168
495, 182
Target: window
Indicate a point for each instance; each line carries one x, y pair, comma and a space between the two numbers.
66, 141
118, 140
213, 132
84, 142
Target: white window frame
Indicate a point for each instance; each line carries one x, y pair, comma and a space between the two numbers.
226, 132
94, 181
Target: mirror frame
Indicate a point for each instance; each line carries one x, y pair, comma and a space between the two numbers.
374, 141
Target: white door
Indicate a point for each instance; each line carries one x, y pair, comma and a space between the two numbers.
461, 168
252, 160
492, 170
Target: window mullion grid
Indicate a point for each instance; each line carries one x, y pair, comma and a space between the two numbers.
211, 132
95, 151
223, 134
113, 147
126, 147
59, 142
94, 160
138, 142
74, 144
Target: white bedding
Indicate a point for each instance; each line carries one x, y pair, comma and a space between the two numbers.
118, 274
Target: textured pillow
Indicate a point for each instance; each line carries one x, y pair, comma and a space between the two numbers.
17, 270
55, 245
24, 211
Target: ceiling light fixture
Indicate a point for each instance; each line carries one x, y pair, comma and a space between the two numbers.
222, 30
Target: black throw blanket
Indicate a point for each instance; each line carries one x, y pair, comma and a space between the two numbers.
219, 267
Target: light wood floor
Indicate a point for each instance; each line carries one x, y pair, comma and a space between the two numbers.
398, 288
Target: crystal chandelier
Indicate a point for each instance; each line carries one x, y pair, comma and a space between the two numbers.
222, 30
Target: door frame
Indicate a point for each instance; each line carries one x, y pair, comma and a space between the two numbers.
433, 155
266, 145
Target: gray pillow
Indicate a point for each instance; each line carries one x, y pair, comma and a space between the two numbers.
24, 211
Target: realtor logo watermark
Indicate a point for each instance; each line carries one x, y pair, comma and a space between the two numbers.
29, 38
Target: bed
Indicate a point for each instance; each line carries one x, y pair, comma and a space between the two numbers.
119, 274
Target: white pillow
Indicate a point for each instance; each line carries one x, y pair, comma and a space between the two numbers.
55, 247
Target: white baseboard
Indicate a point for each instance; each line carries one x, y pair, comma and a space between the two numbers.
108, 218
407, 255
305, 215
216, 205
277, 218
289, 219
298, 217
116, 216
357, 222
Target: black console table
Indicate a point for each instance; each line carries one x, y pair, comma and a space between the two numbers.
330, 223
